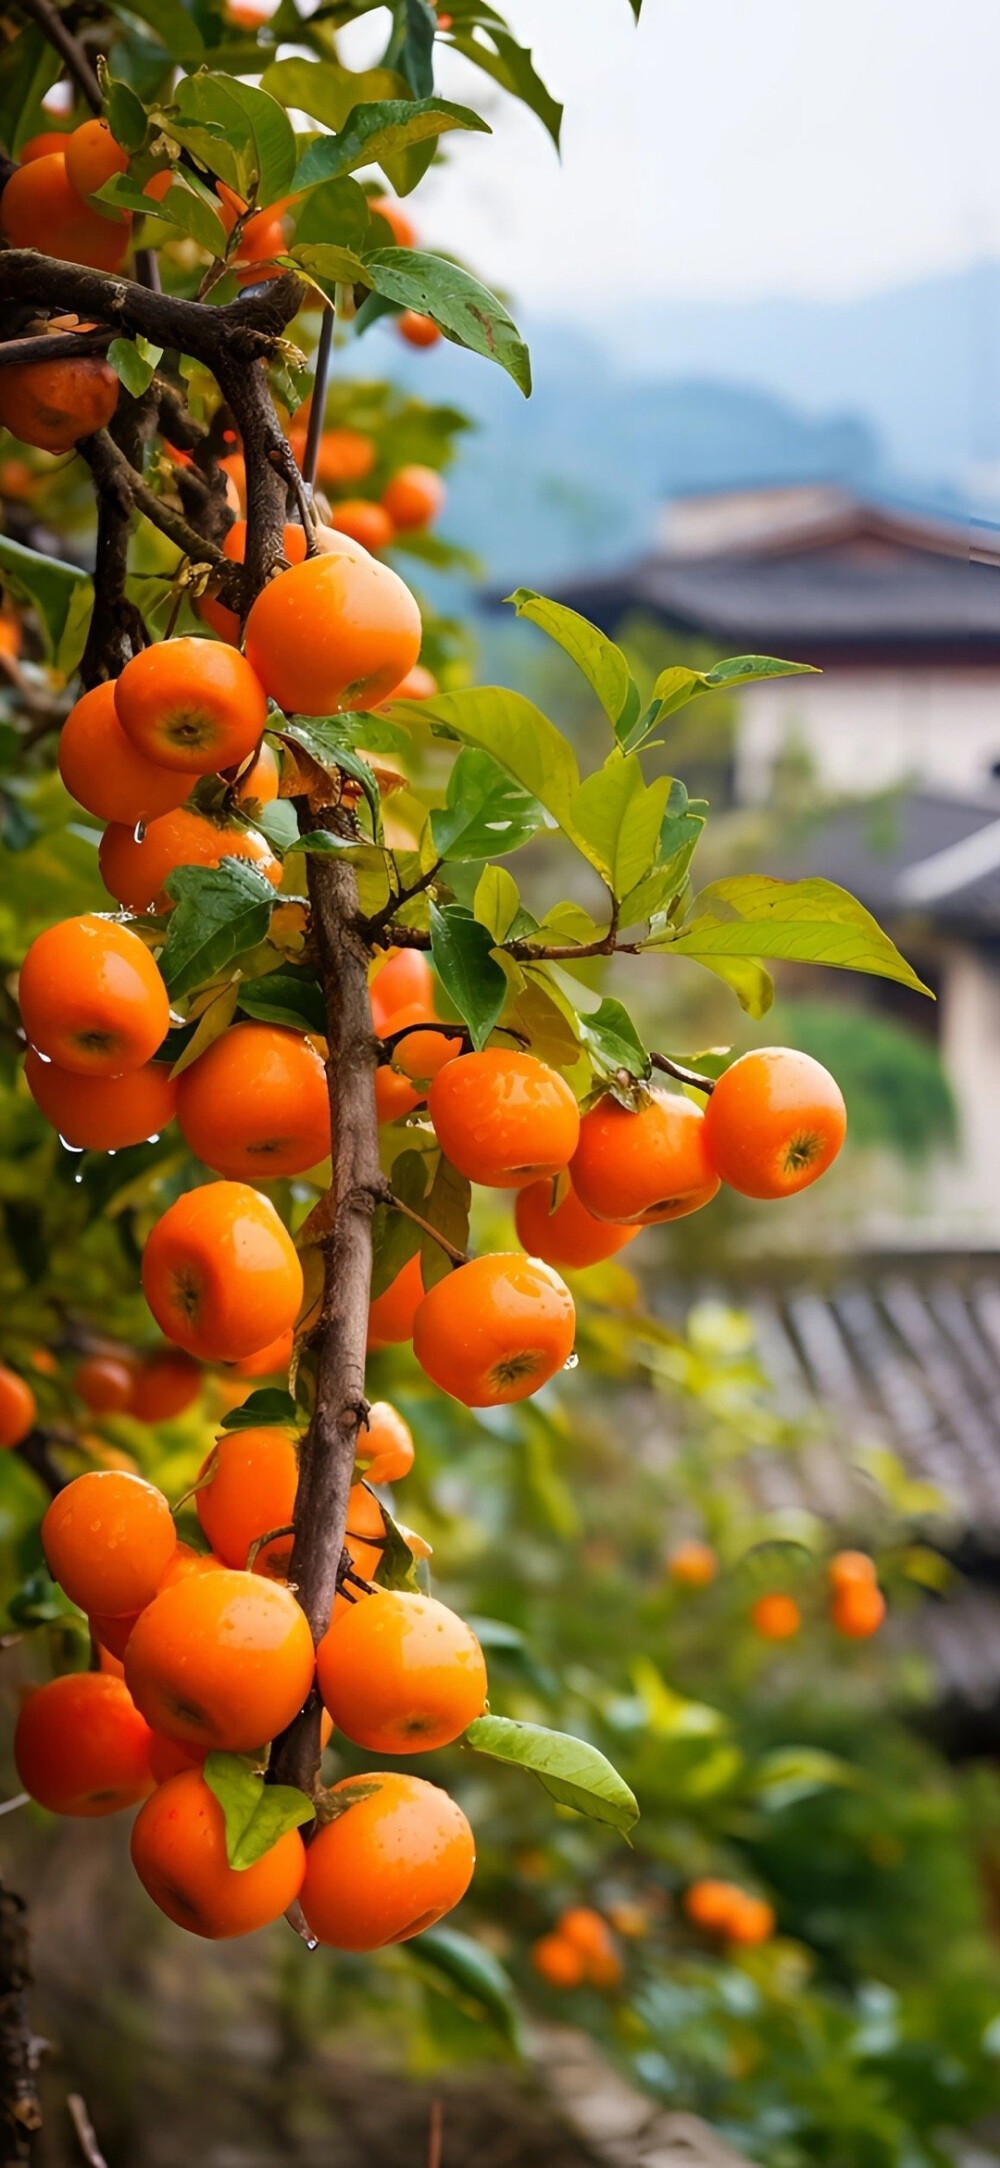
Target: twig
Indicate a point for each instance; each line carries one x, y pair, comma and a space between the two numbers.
327, 1453
77, 65
114, 474
388, 1045
86, 2135
321, 376
36, 1452
20, 1799
53, 346
684, 1076
117, 629
435, 2131
458, 1257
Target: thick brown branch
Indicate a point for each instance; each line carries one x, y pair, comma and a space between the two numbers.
241, 331
78, 66
328, 1450
20, 2050
116, 629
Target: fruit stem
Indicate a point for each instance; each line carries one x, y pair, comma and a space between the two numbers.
458, 1257
676, 1069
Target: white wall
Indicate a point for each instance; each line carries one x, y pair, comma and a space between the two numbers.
966, 1190
866, 730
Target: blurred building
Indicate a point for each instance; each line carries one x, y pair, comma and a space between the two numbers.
899, 736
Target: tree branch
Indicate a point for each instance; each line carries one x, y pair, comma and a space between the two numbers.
240, 331
115, 475
53, 346
684, 1076
458, 1257
116, 630
326, 1461
86, 2135
20, 2050
77, 65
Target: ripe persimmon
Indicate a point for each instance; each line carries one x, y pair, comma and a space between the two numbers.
398, 1857
102, 769
246, 1487
365, 521
108, 1537
267, 1362
53, 404
776, 1617
400, 1673
709, 1903
259, 784
385, 1444
495, 1329
403, 980
565, 1234
167, 1758
256, 1104
365, 1536
104, 1383
416, 329
40, 205
692, 1564
391, 1315
43, 146
335, 632
220, 1272
221, 1659
418, 684
847, 1568
589, 1934
164, 1385
102, 1113
81, 1746
93, 157
646, 1166
751, 1920
345, 455
774, 1123
225, 622
504, 1119
17, 1407
414, 497
91, 997
857, 1610
262, 240
134, 868
401, 226
557, 1962
401, 1084
179, 1855
191, 704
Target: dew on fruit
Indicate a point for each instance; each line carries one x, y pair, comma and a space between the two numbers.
68, 1147
572, 1361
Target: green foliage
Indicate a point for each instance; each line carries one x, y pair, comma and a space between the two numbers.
256, 1814
577, 1774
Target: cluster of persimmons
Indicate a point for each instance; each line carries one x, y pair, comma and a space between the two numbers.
855, 1601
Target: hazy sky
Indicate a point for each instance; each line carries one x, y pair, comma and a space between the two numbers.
737, 147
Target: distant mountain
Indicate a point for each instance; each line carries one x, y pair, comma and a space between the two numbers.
896, 393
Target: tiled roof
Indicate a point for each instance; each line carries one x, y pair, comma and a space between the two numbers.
913, 852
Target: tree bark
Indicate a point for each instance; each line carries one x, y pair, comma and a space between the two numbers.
20, 2050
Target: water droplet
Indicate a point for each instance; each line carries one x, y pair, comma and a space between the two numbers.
572, 1362
311, 1942
139, 832
155, 1138
78, 1177
67, 1146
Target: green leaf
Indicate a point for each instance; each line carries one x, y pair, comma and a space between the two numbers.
464, 310
289, 998
237, 132
176, 30
486, 814
812, 921
512, 66
187, 209
615, 820
134, 362
256, 1814
334, 214
573, 1771
326, 91
29, 65
269, 1407
468, 971
473, 1977
612, 1040
372, 133
602, 663
496, 901
396, 1566
125, 115
517, 734
746, 978
675, 687
61, 595
221, 912
329, 266
395, 1237
273, 138
447, 1208
324, 739
793, 1773
411, 47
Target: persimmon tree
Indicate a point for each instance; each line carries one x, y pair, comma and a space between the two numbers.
303, 957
